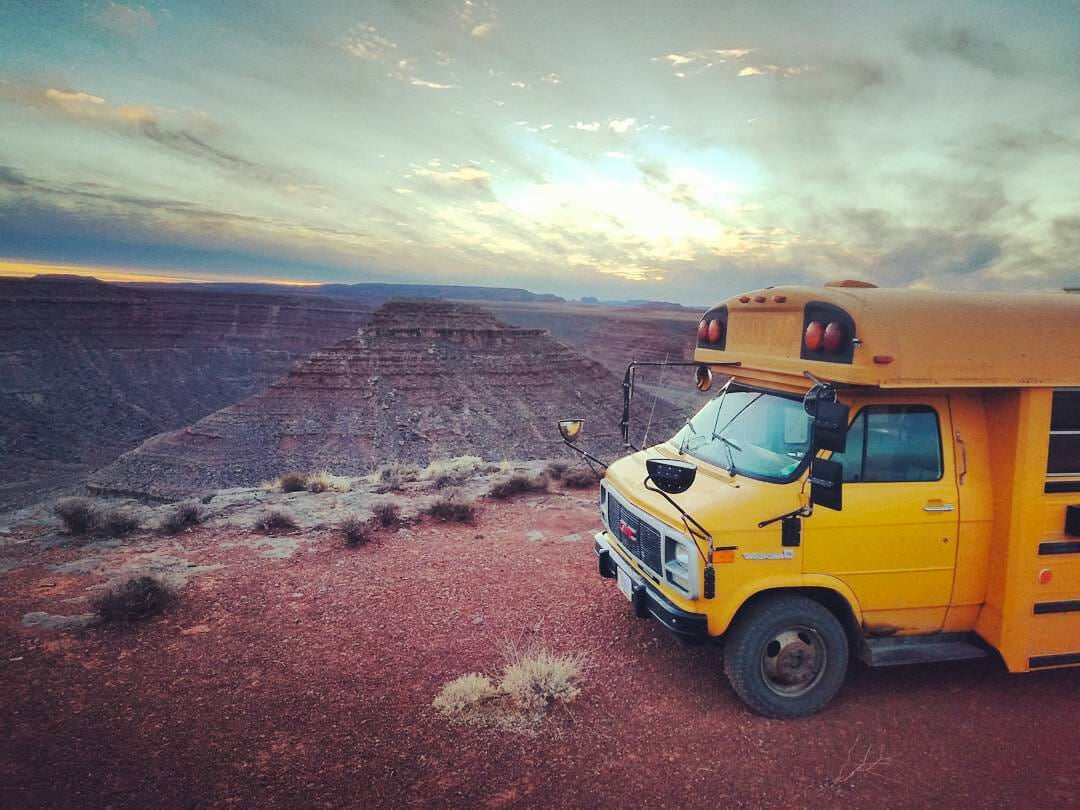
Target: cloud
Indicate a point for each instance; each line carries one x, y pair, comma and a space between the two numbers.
696, 62
581, 125
461, 178
773, 70
477, 17
124, 20
964, 44
365, 42
140, 121
520, 85
621, 125
550, 78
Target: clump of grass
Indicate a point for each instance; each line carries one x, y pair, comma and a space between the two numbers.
579, 479
556, 470
133, 600
120, 523
294, 481
356, 532
516, 485
534, 678
388, 515
325, 481
79, 516
183, 516
444, 472
466, 698
453, 510
392, 477
276, 520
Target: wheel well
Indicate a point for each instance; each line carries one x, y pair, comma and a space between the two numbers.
831, 600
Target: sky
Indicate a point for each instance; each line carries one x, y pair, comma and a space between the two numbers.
669, 151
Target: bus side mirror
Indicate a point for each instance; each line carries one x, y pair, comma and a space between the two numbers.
570, 429
827, 483
830, 426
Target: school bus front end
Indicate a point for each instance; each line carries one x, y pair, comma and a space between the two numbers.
938, 520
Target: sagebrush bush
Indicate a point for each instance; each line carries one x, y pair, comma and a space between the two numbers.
294, 481
276, 520
444, 472
453, 510
325, 481
534, 678
356, 532
516, 485
392, 477
388, 515
133, 600
464, 698
120, 523
579, 479
557, 469
79, 516
183, 516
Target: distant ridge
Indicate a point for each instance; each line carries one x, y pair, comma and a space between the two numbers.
378, 292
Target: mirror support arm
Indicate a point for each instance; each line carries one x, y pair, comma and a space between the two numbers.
585, 454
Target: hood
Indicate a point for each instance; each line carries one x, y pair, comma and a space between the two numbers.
719, 502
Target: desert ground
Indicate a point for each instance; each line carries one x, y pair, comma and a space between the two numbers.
292, 670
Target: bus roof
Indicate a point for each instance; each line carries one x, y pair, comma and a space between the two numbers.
903, 338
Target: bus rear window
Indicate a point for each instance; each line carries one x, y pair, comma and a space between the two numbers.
1065, 433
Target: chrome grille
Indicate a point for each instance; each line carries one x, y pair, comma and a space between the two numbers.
641, 539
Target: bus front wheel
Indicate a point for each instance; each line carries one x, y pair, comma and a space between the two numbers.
786, 656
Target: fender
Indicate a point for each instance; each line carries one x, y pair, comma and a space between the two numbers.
720, 620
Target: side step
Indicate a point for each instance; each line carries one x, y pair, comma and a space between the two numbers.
896, 650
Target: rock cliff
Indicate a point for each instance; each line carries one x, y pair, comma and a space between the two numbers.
423, 379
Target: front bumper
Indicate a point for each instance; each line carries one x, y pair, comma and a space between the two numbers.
646, 600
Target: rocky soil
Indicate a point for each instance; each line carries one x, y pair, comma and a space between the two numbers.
89, 370
423, 379
293, 671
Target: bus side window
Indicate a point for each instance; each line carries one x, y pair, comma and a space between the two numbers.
893, 443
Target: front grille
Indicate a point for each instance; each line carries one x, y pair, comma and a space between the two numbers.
643, 541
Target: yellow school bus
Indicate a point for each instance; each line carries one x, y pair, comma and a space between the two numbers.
889, 475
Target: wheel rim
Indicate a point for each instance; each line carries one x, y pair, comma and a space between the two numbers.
793, 660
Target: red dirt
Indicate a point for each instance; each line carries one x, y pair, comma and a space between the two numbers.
308, 681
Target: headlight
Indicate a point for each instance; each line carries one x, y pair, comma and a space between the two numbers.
677, 563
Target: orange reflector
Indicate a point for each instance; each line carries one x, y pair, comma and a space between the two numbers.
724, 555
744, 299
883, 359
759, 299
779, 299
1045, 576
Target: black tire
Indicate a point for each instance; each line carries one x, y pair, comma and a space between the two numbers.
786, 656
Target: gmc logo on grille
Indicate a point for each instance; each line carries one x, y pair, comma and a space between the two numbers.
626, 530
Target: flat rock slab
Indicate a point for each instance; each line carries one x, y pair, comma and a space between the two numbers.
53, 621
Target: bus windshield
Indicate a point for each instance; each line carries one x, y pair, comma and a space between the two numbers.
755, 433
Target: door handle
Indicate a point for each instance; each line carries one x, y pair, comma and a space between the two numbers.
938, 507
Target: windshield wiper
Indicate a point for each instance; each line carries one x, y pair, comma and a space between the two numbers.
728, 444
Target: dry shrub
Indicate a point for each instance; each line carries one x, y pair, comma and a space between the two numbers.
388, 515
120, 523
392, 477
532, 680
133, 600
535, 677
183, 516
325, 481
453, 510
294, 481
516, 485
356, 532
579, 479
276, 520
444, 472
467, 698
79, 516
557, 469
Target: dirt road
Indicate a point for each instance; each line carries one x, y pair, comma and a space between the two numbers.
307, 680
